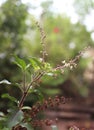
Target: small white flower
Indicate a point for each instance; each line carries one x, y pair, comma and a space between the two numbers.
63, 62
71, 67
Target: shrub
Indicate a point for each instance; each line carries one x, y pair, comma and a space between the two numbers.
22, 117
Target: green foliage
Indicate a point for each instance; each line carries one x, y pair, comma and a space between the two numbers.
13, 15
16, 117
35, 63
6, 95
63, 42
12, 26
21, 63
83, 7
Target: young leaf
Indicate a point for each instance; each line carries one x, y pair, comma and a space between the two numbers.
35, 63
38, 62
20, 62
5, 82
47, 67
27, 66
6, 95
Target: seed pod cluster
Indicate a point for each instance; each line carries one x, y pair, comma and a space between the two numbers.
40, 107
49, 103
40, 123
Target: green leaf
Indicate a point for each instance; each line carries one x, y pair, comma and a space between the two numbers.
6, 95
26, 108
15, 118
38, 62
35, 63
39, 94
20, 62
5, 128
2, 116
5, 82
27, 66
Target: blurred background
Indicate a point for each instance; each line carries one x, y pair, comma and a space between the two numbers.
69, 27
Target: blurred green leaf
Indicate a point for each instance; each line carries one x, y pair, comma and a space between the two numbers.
35, 63
27, 66
2, 116
15, 118
6, 95
20, 62
5, 128
39, 94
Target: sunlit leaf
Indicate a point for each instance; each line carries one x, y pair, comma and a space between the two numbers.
47, 67
5, 82
27, 66
1, 114
35, 63
26, 108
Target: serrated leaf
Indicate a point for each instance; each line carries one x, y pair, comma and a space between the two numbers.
5, 82
20, 62
6, 95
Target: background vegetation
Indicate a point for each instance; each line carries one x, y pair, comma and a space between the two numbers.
19, 35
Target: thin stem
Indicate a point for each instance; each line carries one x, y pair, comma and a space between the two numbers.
24, 81
26, 92
22, 100
34, 80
